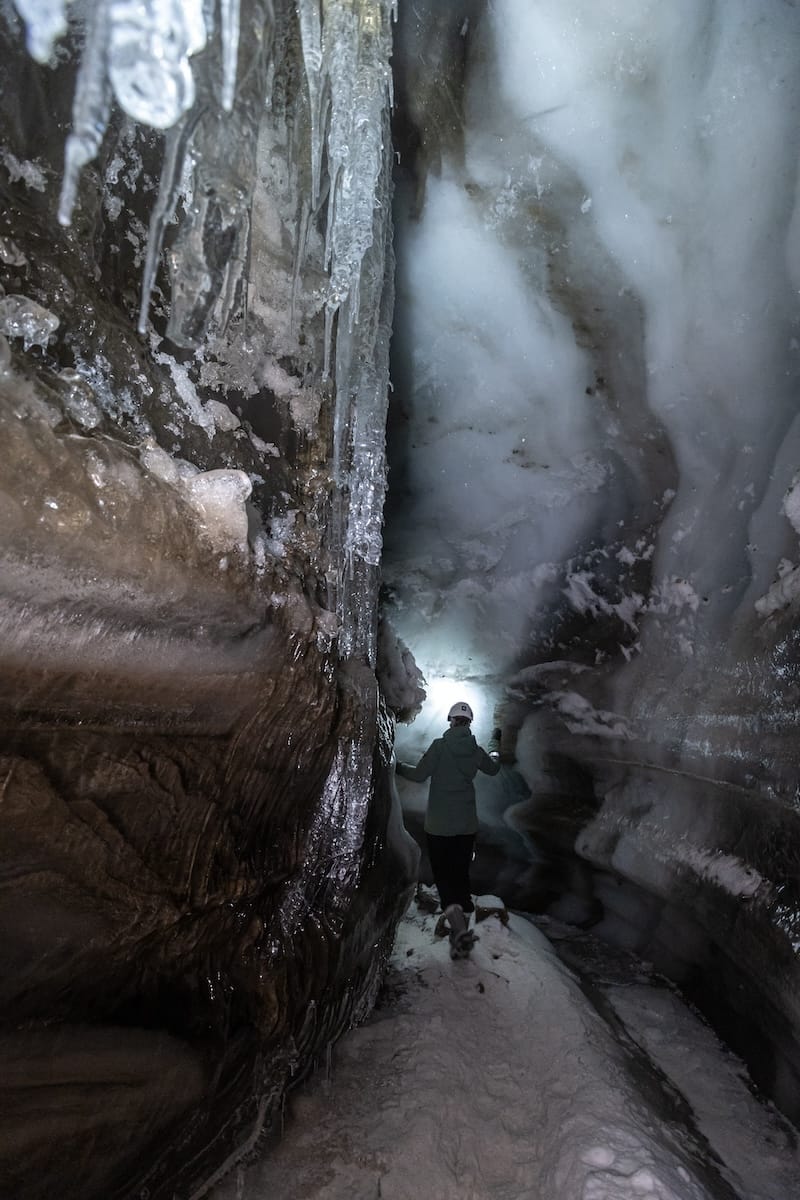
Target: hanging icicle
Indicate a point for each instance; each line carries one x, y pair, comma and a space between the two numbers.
355, 84
90, 110
45, 22
229, 29
140, 52
150, 43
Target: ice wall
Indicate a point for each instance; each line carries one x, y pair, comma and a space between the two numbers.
195, 259
597, 359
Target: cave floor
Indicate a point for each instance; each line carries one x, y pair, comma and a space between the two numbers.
511, 1076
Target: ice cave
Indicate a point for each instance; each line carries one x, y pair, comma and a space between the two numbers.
357, 357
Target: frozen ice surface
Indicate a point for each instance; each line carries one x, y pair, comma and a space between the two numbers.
217, 497
783, 592
79, 399
222, 416
400, 678
11, 254
161, 464
31, 174
356, 45
555, 346
308, 12
581, 717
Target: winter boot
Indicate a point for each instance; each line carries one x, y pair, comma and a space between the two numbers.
462, 939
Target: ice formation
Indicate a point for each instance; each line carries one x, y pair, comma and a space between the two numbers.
157, 61
46, 21
583, 341
25, 319
141, 55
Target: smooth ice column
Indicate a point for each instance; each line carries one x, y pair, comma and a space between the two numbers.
45, 22
150, 42
90, 109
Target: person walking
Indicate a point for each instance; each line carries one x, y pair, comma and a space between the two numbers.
451, 762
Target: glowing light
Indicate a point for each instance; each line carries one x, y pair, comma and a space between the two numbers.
443, 692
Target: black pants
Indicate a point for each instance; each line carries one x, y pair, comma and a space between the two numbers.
450, 860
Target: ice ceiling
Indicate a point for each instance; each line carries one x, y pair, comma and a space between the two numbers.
591, 531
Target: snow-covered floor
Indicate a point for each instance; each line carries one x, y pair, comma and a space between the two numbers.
497, 1078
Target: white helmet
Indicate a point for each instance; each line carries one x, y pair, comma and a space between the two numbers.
461, 709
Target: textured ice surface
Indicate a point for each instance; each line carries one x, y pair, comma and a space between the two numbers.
90, 109
597, 359
79, 399
218, 497
25, 319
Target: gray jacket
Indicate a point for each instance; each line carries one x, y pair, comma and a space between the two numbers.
451, 763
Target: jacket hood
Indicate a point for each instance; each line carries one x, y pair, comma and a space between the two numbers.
460, 741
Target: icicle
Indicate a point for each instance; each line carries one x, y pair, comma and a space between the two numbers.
90, 109
303, 223
149, 47
45, 22
356, 48
330, 314
229, 29
311, 37
210, 17
169, 189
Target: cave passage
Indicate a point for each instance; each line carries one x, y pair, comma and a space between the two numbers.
592, 455
534, 267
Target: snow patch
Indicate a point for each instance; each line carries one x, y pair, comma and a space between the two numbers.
400, 679
30, 173
782, 593
729, 872
581, 717
224, 420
